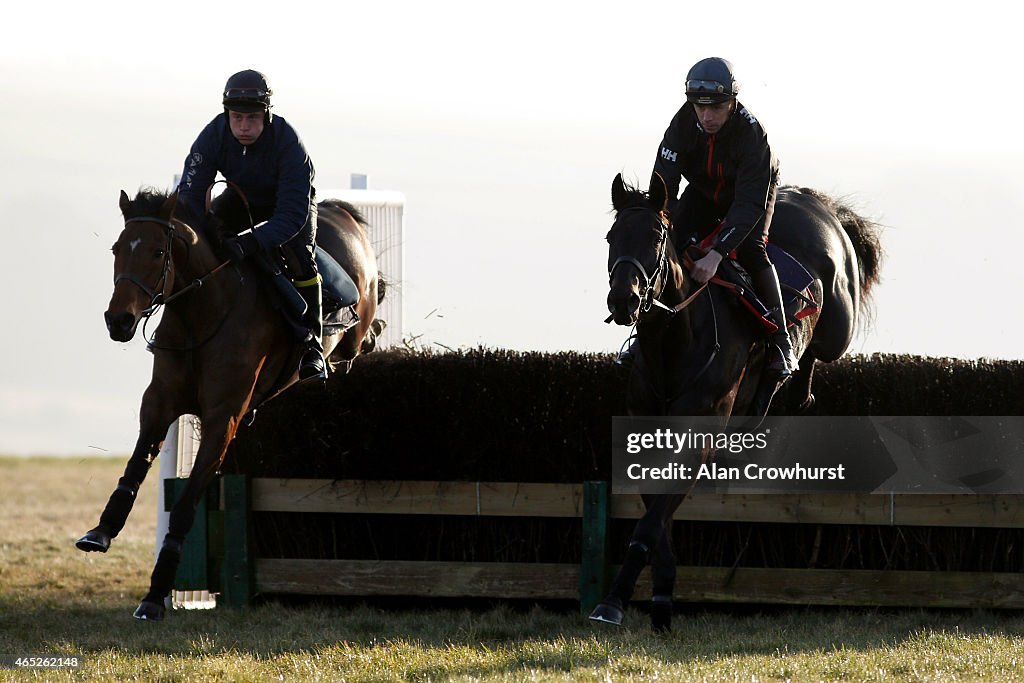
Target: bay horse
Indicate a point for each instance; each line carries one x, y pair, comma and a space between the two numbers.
699, 353
220, 350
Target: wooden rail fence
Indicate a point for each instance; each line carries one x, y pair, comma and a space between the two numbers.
217, 551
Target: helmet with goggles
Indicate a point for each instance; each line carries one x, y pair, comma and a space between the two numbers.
248, 91
711, 81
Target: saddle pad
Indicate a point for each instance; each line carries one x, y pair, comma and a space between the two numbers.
336, 283
791, 272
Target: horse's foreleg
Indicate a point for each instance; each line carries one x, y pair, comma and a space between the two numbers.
647, 536
154, 423
663, 576
208, 459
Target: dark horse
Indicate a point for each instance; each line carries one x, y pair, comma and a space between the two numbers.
221, 349
704, 356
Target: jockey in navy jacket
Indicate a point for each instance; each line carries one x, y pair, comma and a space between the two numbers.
274, 172
263, 156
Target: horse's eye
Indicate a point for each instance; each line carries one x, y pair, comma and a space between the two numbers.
115, 247
159, 253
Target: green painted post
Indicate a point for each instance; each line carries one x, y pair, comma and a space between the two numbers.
594, 555
192, 574
236, 582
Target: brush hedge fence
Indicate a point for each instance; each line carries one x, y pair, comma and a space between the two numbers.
484, 473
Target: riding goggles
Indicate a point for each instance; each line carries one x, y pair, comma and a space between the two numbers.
247, 99
715, 87
245, 94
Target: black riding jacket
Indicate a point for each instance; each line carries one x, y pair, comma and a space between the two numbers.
275, 173
734, 169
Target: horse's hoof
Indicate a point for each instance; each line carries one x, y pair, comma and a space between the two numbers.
806, 405
94, 541
149, 611
661, 617
607, 613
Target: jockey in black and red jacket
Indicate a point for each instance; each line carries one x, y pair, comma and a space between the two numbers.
722, 151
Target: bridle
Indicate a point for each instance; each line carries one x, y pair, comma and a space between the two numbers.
160, 294
651, 283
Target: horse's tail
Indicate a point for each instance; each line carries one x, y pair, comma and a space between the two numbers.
864, 233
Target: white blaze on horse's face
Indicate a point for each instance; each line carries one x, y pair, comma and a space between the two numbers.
134, 244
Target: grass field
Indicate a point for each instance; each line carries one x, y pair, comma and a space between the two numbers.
55, 600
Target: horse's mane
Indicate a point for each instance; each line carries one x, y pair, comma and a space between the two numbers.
148, 202
356, 214
864, 233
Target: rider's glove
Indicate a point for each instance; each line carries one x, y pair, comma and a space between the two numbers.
237, 248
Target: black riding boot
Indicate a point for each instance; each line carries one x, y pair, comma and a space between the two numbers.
312, 363
782, 361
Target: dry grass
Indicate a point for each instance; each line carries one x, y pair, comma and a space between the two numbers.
56, 600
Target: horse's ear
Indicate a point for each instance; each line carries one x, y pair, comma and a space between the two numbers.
657, 193
619, 193
124, 202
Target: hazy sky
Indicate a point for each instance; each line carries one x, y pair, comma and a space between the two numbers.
503, 125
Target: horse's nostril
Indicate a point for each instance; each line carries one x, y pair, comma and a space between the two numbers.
119, 321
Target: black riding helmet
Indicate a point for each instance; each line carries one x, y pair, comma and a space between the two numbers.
248, 91
711, 81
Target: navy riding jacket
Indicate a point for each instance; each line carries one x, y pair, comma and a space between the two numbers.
733, 169
275, 173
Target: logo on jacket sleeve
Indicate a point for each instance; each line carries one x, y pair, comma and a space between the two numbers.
194, 161
667, 154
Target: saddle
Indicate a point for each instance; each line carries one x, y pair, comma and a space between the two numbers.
794, 280
338, 291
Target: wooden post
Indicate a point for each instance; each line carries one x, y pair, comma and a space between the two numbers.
594, 553
192, 574
236, 582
